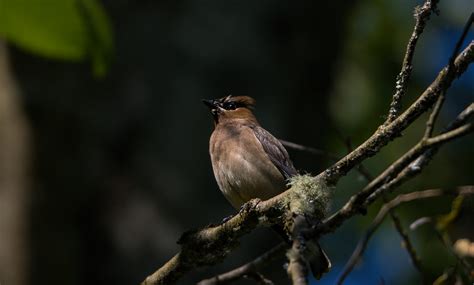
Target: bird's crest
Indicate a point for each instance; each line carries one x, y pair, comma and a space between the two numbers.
239, 101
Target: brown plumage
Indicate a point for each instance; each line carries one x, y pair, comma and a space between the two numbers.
249, 162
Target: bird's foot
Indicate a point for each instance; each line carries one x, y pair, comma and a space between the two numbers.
249, 205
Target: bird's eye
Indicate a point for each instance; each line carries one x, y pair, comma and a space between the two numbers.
229, 106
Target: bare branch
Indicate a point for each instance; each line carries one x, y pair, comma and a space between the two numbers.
308, 149
246, 269
210, 245
423, 146
447, 136
222, 239
397, 173
433, 116
457, 48
393, 215
369, 193
362, 245
422, 15
259, 278
463, 117
395, 219
386, 133
407, 244
419, 222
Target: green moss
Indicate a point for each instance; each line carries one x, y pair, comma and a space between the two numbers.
310, 196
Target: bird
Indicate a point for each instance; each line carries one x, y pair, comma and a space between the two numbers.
249, 162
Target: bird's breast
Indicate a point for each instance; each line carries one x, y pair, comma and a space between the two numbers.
241, 167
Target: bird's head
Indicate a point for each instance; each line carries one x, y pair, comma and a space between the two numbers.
231, 107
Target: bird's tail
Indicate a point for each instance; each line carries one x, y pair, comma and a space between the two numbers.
317, 259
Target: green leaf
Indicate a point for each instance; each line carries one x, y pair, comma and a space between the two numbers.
445, 220
100, 42
74, 30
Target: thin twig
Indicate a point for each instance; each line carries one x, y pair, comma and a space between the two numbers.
374, 189
412, 155
259, 278
248, 268
463, 117
401, 170
419, 222
384, 134
210, 245
433, 116
407, 244
403, 198
422, 15
393, 215
447, 136
360, 168
461, 39
347, 142
309, 149
422, 146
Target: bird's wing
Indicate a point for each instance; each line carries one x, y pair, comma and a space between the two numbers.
275, 151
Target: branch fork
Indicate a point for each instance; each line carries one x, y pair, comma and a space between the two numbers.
308, 197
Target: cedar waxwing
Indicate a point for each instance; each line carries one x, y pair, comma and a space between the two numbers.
249, 162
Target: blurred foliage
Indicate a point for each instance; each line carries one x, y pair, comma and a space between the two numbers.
73, 30
444, 221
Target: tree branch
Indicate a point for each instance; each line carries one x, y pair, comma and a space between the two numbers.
460, 119
461, 39
386, 133
386, 208
212, 244
308, 149
208, 246
393, 215
408, 245
297, 265
246, 269
219, 240
397, 173
433, 116
422, 15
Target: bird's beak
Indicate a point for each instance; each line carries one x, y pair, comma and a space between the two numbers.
211, 104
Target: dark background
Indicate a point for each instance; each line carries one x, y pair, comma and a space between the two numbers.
121, 165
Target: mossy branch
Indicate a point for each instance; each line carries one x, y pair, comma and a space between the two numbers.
308, 196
